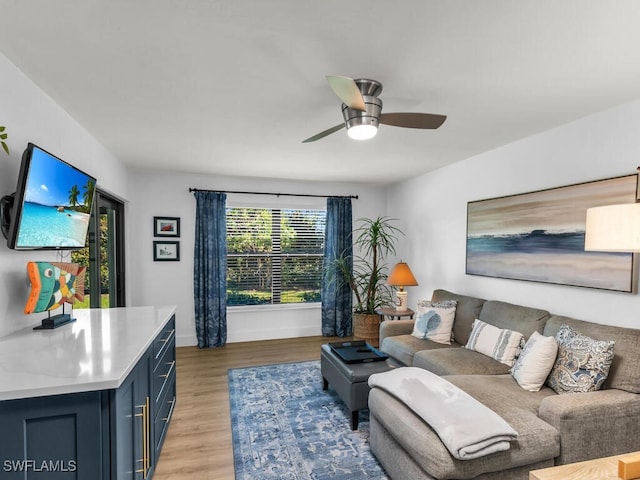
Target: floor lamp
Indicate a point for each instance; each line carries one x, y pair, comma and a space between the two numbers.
613, 228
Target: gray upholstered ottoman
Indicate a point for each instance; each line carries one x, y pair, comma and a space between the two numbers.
349, 380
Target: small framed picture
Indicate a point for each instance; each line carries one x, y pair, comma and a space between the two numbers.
166, 226
166, 251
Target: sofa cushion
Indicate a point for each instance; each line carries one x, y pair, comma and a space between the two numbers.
535, 362
537, 440
501, 344
434, 320
458, 361
582, 364
625, 367
467, 310
525, 320
404, 347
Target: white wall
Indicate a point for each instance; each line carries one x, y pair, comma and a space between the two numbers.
433, 211
31, 116
166, 194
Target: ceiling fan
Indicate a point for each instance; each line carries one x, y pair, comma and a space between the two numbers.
362, 110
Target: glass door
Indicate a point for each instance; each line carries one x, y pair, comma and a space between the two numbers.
104, 255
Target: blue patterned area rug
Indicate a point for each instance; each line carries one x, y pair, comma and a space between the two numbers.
286, 427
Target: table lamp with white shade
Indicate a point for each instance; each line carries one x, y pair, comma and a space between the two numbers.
401, 276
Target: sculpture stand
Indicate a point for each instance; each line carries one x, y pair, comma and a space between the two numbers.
55, 321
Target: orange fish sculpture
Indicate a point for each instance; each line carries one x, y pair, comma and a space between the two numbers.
52, 284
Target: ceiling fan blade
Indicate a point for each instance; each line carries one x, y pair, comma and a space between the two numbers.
347, 91
325, 133
413, 120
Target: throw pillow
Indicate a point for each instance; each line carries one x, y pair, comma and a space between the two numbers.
536, 360
583, 363
434, 320
500, 344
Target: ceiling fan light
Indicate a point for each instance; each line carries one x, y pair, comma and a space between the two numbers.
362, 132
363, 125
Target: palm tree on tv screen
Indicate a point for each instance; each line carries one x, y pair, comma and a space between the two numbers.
73, 195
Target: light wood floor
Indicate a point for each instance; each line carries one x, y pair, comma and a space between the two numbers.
198, 443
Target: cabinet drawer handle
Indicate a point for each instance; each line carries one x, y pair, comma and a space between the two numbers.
165, 340
168, 417
145, 438
172, 364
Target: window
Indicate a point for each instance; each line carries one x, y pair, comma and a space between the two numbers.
274, 256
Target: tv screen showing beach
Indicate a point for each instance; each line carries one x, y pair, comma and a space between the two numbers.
56, 204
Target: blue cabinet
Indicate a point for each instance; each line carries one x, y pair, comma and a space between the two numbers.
100, 435
163, 383
59, 437
141, 408
130, 418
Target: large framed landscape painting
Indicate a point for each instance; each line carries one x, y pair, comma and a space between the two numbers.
539, 236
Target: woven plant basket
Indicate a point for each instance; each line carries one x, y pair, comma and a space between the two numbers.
367, 327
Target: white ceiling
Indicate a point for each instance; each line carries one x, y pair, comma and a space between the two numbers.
231, 87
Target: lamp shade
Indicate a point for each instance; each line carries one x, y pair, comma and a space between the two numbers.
613, 228
402, 276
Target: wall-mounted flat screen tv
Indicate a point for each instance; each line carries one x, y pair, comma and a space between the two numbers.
52, 203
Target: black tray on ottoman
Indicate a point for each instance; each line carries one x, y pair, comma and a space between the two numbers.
357, 351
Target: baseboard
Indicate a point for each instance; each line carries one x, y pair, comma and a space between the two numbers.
273, 334
252, 336
186, 341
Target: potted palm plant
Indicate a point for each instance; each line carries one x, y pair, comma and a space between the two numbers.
374, 241
3, 137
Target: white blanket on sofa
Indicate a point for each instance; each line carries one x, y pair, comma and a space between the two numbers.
466, 427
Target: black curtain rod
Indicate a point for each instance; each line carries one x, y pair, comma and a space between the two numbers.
276, 194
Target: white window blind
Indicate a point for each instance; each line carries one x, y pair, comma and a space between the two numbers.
274, 255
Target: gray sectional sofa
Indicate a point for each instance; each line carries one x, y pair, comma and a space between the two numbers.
552, 428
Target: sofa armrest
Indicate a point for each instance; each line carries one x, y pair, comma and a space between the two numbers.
390, 328
594, 424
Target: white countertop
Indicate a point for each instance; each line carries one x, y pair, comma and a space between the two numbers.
96, 352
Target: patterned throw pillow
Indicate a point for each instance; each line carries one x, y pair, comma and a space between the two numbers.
434, 320
532, 367
500, 344
583, 363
